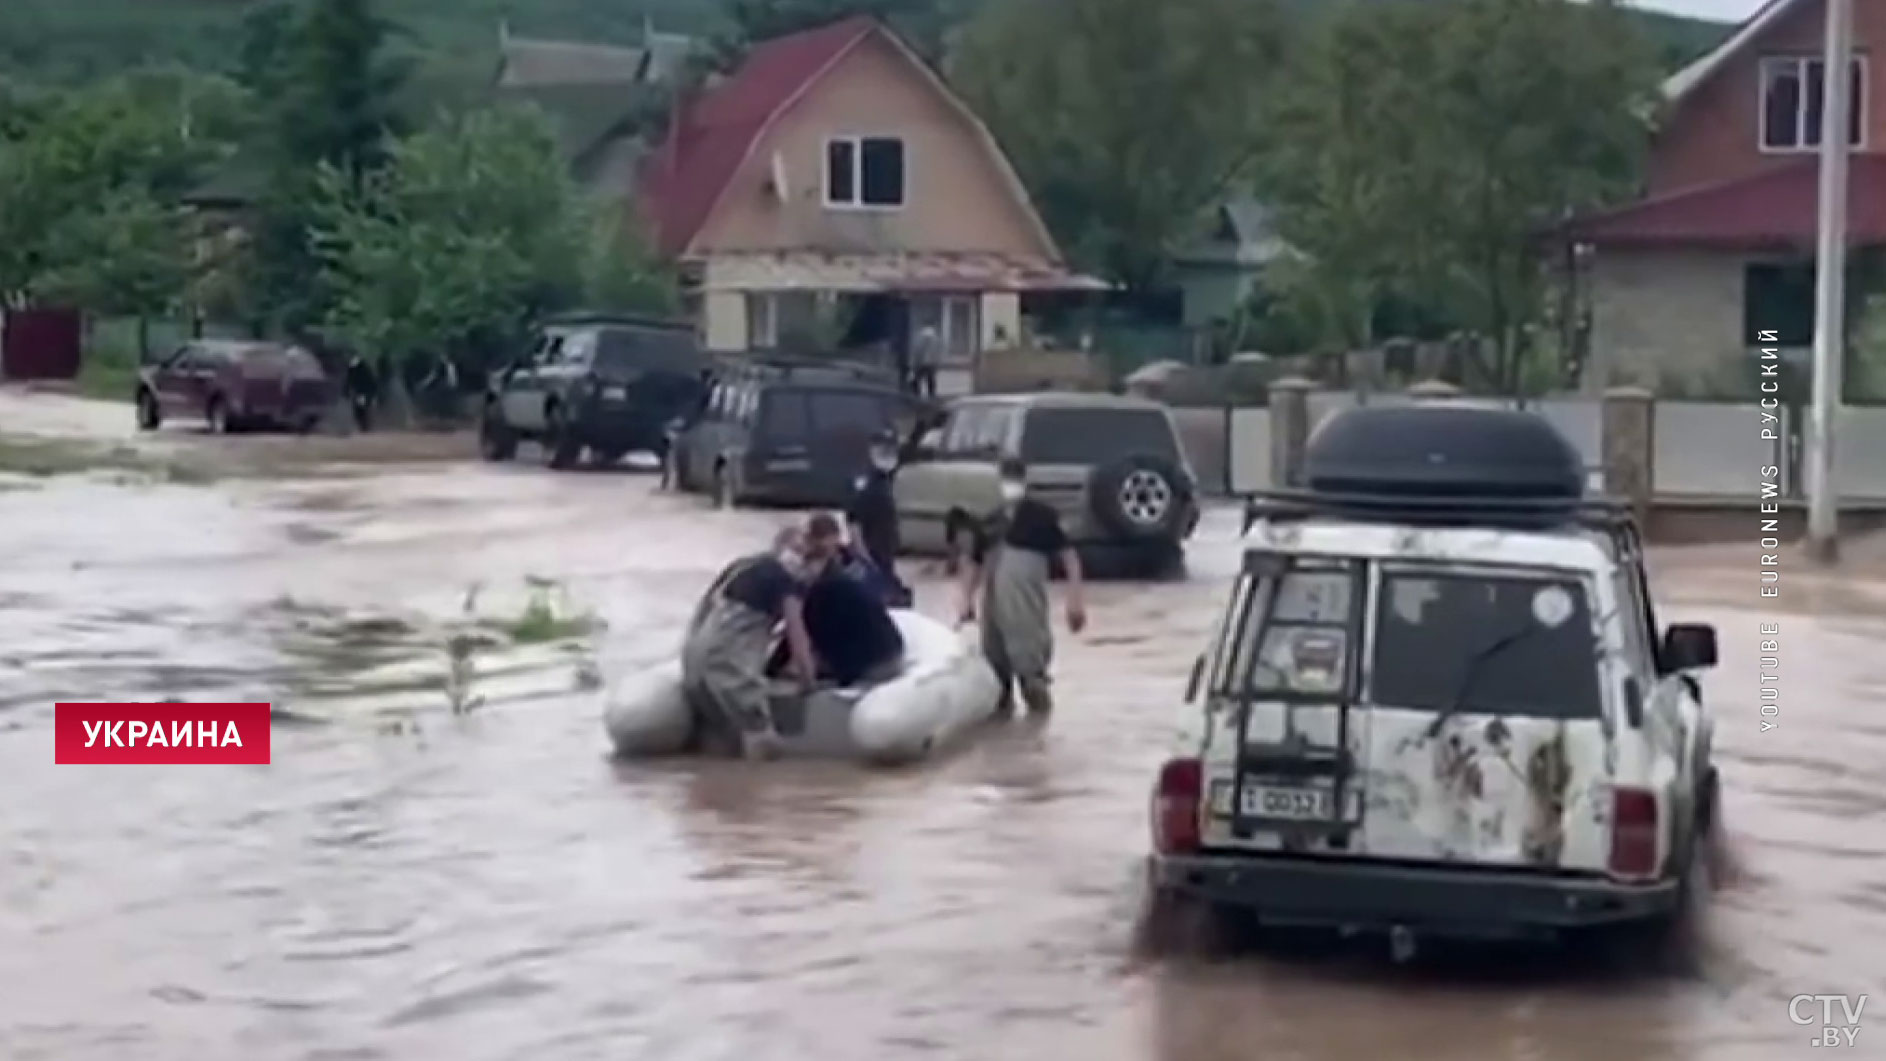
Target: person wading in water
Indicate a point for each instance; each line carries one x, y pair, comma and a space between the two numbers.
723, 660
1005, 585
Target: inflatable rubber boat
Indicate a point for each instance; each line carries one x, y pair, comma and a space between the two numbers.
945, 689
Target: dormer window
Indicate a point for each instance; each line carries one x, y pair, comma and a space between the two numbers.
864, 172
1792, 103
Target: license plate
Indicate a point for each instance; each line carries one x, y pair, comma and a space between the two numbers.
615, 393
1284, 802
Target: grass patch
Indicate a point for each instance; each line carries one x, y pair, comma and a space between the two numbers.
46, 457
548, 616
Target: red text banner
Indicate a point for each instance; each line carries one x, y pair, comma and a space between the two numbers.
161, 734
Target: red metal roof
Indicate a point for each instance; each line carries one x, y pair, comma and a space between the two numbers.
704, 149
1774, 208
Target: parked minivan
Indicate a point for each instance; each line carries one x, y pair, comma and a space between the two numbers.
784, 439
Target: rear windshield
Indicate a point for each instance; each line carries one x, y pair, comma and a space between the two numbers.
1484, 643
621, 350
794, 413
1096, 436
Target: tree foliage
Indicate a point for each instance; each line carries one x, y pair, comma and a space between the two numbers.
1420, 151
471, 231
330, 86
1134, 119
89, 184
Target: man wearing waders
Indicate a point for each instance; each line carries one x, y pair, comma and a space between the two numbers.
1005, 584
723, 660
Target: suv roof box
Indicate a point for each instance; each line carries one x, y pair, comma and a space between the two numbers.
1440, 450
1446, 464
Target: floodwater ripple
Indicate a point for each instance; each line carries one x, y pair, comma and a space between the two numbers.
489, 886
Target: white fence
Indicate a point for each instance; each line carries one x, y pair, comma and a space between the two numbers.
1703, 449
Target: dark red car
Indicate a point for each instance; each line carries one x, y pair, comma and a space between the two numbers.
233, 385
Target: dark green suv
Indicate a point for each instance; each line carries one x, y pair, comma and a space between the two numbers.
608, 385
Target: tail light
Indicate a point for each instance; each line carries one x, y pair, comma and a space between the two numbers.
1175, 810
1633, 833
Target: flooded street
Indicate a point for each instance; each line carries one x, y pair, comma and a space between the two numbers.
404, 882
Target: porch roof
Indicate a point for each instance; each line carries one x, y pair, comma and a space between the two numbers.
1773, 208
883, 273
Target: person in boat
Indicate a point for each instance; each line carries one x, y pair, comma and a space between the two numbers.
853, 636
1005, 585
871, 517
729, 640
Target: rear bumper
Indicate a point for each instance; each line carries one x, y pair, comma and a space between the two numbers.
1435, 900
618, 425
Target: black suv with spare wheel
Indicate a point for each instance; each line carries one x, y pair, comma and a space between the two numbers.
1112, 466
606, 384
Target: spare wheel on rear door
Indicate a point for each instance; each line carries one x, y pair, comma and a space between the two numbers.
1140, 496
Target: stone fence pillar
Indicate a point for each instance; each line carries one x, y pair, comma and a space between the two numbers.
1629, 443
1289, 429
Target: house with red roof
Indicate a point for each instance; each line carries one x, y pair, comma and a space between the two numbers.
834, 177
1682, 285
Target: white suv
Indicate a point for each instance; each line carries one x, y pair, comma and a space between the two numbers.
1436, 703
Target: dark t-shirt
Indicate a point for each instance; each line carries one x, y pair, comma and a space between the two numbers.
850, 628
1033, 526
763, 584
873, 509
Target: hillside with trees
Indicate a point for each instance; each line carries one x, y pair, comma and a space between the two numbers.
61, 42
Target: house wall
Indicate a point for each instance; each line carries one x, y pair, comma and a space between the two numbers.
1715, 134
724, 321
1212, 292
1666, 319
956, 198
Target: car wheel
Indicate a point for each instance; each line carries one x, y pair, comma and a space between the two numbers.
216, 414
1174, 924
560, 446
496, 440
150, 417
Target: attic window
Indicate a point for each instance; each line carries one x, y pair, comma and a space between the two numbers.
1791, 102
864, 171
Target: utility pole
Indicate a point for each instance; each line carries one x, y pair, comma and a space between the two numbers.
1830, 288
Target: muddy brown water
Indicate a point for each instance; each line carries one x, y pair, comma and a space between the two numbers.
406, 883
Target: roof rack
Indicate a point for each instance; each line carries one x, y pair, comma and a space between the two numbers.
640, 320
1456, 510
787, 364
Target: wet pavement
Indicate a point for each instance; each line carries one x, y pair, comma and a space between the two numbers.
407, 882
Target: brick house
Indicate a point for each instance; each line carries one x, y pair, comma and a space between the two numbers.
835, 176
1678, 285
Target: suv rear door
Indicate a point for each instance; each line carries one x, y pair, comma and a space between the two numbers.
1063, 445
962, 476
658, 370
1453, 713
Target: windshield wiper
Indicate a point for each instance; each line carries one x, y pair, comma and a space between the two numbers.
1476, 665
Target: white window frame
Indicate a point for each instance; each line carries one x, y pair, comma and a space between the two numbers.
1801, 64
857, 174
762, 320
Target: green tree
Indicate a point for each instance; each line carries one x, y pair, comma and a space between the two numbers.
334, 112
1128, 119
119, 152
1421, 150
1544, 108
922, 23
471, 231
1341, 170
